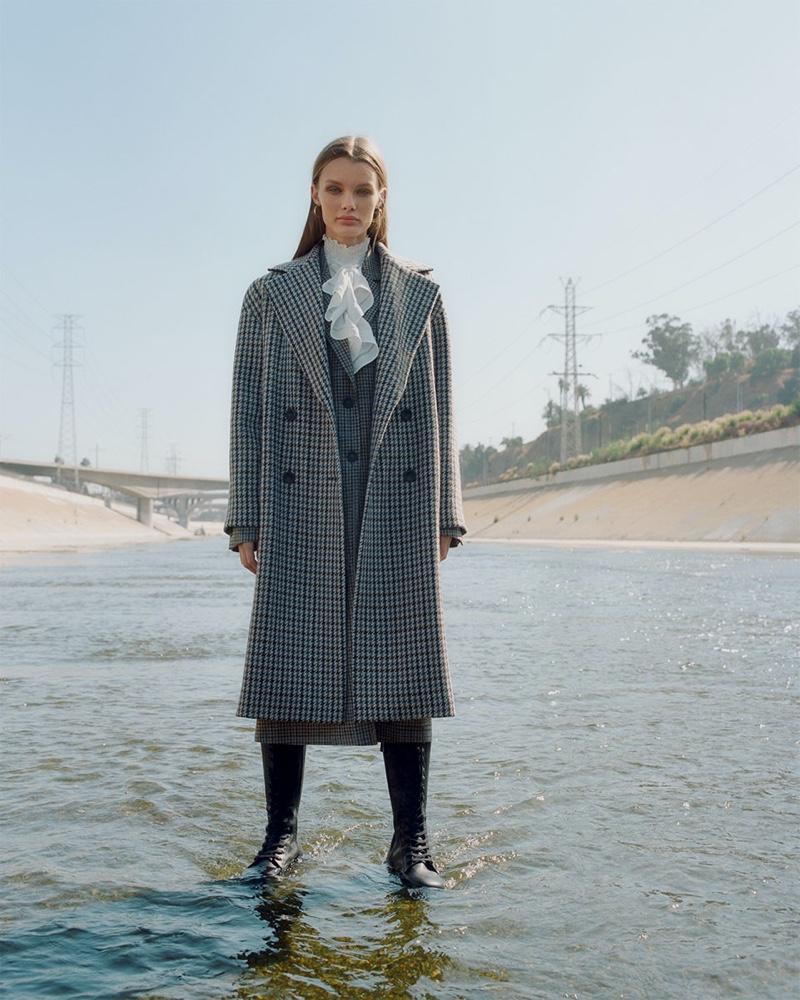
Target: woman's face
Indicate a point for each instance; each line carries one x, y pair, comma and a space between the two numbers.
347, 195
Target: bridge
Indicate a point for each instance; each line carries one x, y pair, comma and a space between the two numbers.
185, 494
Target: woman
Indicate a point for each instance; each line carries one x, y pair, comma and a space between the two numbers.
344, 496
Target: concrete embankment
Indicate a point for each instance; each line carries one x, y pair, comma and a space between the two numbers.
742, 491
36, 517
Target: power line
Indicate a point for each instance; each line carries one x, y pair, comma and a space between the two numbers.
503, 409
696, 233
12, 332
746, 288
734, 157
31, 296
711, 302
503, 350
700, 277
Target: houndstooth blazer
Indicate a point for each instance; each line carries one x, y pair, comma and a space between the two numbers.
312, 655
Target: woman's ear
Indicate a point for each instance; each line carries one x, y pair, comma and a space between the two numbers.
314, 194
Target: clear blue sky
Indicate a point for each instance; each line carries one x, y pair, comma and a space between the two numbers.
156, 158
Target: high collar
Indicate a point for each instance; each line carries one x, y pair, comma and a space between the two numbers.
339, 255
385, 256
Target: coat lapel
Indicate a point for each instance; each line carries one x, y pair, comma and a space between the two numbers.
300, 309
407, 297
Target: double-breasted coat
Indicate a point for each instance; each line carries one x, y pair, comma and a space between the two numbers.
315, 653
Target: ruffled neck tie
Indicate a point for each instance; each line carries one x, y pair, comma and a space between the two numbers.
351, 298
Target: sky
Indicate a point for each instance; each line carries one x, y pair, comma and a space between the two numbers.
156, 158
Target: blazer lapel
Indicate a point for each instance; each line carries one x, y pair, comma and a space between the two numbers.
407, 297
300, 310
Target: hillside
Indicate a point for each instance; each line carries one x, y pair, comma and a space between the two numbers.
624, 419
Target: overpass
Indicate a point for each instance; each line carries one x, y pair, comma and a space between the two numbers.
186, 493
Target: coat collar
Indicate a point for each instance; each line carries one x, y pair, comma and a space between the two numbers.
407, 298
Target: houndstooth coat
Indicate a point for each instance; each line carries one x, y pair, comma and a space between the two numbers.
312, 654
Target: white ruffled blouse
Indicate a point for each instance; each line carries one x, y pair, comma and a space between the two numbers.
351, 298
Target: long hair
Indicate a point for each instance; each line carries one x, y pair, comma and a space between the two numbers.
362, 150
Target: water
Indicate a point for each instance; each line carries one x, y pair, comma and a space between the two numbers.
614, 808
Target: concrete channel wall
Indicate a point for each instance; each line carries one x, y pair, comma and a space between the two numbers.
786, 439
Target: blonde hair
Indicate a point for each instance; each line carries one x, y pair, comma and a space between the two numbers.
362, 150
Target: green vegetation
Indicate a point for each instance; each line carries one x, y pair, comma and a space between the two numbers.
670, 346
665, 439
726, 382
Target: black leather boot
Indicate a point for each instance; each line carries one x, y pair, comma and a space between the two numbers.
407, 776
283, 783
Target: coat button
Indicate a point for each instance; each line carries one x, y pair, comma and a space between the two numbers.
289, 478
410, 476
405, 415
348, 402
290, 414
352, 456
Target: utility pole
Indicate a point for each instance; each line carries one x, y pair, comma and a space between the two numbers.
568, 379
144, 437
67, 436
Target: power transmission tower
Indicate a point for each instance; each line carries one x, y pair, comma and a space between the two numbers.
173, 460
568, 379
144, 436
67, 436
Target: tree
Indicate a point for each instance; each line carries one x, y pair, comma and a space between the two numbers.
790, 328
670, 346
515, 442
728, 337
551, 414
583, 394
475, 462
771, 361
762, 338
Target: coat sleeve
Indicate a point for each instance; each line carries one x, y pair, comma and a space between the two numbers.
451, 514
241, 522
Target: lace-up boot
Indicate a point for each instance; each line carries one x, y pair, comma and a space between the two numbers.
407, 767
283, 783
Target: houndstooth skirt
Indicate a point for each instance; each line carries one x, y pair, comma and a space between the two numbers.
354, 734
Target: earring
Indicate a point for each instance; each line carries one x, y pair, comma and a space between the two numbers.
316, 211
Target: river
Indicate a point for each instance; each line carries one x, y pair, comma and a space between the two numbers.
614, 808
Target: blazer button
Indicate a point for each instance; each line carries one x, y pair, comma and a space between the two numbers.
289, 478
352, 456
348, 402
405, 415
410, 476
290, 414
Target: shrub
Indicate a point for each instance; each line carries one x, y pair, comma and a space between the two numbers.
730, 426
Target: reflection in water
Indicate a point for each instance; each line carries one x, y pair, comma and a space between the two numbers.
280, 907
300, 959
